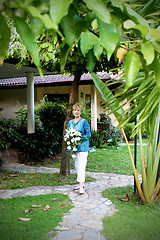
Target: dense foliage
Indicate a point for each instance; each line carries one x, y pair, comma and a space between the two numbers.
44, 142
106, 134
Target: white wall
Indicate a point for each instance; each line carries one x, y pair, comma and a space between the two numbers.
9, 99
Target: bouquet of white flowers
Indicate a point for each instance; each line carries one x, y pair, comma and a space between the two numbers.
72, 139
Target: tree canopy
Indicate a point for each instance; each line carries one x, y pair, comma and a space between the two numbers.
94, 26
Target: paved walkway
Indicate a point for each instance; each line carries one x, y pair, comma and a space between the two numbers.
84, 221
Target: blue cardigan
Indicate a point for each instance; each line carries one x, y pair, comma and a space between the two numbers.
83, 127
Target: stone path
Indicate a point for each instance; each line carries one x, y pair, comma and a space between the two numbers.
84, 221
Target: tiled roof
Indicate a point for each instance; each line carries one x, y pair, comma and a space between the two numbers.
48, 79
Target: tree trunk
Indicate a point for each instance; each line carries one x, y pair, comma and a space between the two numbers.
65, 156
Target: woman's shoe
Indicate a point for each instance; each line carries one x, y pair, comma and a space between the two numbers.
77, 188
81, 191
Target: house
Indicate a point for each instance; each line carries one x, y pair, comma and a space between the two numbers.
13, 90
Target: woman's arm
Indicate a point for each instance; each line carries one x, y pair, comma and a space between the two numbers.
68, 126
87, 131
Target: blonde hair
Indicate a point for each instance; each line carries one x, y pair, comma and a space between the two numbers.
77, 105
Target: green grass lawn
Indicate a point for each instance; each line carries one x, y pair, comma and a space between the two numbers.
112, 159
41, 222
13, 180
134, 221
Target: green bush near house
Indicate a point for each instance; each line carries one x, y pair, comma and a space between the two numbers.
106, 135
96, 139
47, 138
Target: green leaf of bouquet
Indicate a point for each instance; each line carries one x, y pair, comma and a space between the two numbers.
148, 52
28, 39
132, 65
4, 38
100, 9
109, 37
59, 9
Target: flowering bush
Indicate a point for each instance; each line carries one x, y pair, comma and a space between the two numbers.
72, 139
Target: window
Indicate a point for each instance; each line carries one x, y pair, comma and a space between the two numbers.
55, 97
88, 100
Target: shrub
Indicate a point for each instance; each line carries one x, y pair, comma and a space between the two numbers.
106, 134
86, 114
47, 139
51, 115
96, 139
8, 135
35, 147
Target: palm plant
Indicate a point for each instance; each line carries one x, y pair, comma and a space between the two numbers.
139, 57
148, 192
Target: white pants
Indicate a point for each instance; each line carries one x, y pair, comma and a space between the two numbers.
80, 165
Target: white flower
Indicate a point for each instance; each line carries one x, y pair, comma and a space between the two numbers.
73, 156
72, 139
77, 138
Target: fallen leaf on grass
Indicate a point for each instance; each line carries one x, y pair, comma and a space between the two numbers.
28, 210
4, 177
13, 175
25, 219
35, 205
20, 186
24, 180
47, 208
63, 205
54, 198
126, 199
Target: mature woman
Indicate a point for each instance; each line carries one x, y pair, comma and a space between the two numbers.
81, 125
